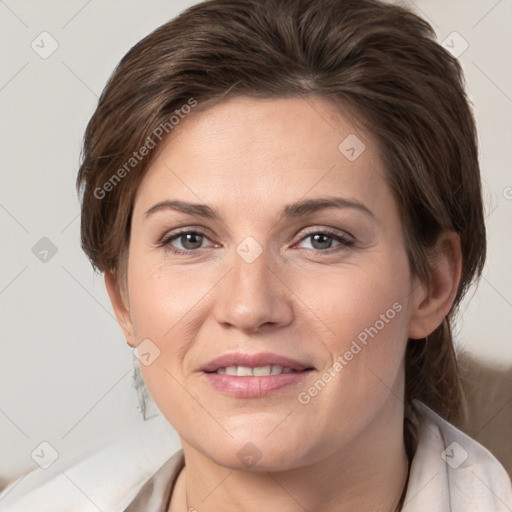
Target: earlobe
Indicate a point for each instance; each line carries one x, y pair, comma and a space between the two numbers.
120, 308
432, 305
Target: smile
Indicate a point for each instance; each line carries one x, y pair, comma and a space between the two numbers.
243, 375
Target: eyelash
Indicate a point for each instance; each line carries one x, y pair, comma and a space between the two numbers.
344, 241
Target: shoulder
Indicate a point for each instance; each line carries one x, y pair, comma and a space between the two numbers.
107, 479
451, 471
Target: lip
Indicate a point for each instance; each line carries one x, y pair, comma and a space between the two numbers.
254, 386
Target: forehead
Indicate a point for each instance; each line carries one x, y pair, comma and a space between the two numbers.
265, 152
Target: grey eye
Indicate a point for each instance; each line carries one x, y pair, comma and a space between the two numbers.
191, 241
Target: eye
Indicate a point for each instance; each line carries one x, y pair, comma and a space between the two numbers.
189, 240
322, 241
192, 240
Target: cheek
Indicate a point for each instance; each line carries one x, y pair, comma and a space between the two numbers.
167, 308
162, 297
364, 316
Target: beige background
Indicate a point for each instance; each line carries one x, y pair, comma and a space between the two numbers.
65, 372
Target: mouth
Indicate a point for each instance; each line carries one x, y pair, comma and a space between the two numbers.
254, 375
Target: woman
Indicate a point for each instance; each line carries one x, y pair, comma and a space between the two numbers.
284, 197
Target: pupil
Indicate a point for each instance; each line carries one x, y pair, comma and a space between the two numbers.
325, 244
185, 239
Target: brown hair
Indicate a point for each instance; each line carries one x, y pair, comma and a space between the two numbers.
379, 60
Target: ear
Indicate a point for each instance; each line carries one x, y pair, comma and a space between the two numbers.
121, 310
431, 305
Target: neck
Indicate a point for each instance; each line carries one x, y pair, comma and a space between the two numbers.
367, 474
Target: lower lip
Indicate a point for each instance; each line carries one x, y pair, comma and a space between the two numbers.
254, 387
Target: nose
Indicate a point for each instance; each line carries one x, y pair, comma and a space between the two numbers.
253, 296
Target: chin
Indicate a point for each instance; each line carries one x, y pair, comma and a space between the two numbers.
256, 452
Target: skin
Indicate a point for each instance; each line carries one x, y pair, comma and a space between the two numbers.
248, 158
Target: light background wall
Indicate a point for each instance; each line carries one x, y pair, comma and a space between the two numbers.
65, 371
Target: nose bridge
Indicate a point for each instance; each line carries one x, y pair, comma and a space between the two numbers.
251, 295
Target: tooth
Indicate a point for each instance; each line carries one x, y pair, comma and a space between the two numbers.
261, 370
244, 371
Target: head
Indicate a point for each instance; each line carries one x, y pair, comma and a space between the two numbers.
249, 107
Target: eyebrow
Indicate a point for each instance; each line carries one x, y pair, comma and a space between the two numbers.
290, 211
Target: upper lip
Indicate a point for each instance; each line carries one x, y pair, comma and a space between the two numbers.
253, 361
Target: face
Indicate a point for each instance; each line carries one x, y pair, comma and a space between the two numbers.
263, 278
